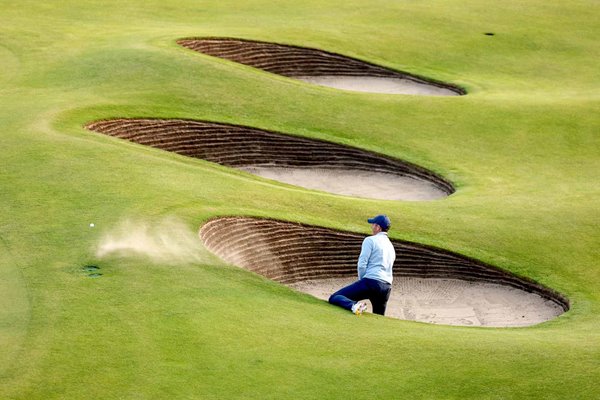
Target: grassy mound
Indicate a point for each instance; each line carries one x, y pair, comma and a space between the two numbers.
166, 319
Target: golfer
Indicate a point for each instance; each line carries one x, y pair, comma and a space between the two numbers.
375, 264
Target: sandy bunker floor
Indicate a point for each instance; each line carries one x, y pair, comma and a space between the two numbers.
357, 183
451, 301
378, 85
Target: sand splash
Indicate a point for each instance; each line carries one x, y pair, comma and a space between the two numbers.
166, 241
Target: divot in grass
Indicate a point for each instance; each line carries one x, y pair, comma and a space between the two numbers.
92, 270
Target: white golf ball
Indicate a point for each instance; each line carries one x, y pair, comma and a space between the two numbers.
92, 225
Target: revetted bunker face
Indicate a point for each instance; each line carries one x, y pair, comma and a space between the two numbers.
292, 253
319, 67
260, 152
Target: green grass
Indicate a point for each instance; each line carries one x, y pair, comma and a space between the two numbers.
522, 148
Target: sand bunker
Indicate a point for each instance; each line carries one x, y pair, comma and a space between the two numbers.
310, 163
431, 285
319, 67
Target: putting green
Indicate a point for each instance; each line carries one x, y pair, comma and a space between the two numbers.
521, 148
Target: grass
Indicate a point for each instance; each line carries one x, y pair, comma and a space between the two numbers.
522, 148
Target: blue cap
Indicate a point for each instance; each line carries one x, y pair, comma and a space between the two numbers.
382, 220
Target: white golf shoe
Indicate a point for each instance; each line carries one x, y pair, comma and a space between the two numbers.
359, 307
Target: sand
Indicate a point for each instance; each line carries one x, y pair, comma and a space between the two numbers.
357, 183
379, 85
452, 302
165, 241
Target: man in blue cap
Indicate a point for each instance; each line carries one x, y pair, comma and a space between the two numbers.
374, 272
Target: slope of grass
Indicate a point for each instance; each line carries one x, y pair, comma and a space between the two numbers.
522, 148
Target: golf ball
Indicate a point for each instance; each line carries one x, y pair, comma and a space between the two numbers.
92, 225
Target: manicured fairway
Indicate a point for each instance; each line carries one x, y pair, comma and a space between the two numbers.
522, 149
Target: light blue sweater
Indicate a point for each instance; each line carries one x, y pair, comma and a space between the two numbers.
376, 258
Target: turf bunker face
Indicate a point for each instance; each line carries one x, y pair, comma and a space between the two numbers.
310, 163
430, 285
319, 67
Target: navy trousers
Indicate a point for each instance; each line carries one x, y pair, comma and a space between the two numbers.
377, 292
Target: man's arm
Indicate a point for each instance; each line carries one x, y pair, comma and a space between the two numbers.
365, 253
